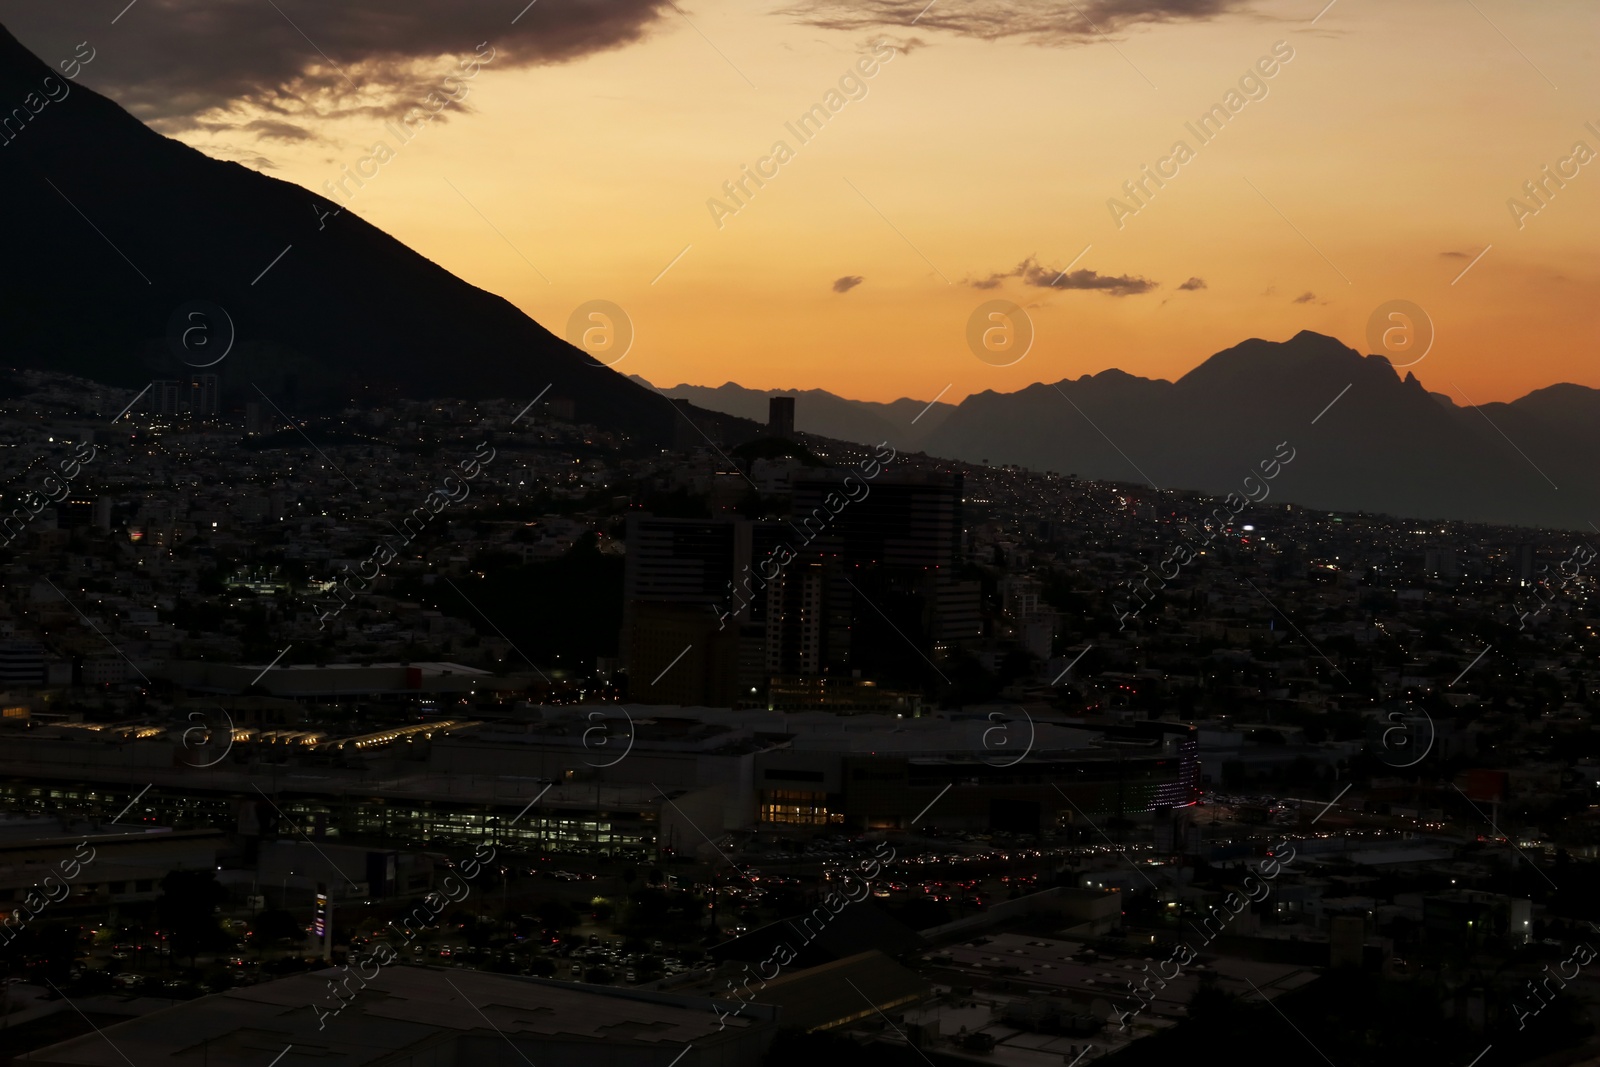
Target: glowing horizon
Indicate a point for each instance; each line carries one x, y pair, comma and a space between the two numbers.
1379, 160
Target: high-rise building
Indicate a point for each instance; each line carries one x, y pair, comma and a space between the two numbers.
854, 581
205, 395
891, 595
1522, 560
165, 398
905, 519
77, 513
679, 561
794, 623
677, 654
780, 416
957, 613
692, 581
1441, 563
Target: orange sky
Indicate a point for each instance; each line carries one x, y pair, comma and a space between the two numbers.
1378, 163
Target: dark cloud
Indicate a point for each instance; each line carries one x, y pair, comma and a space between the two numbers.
1192, 284
272, 130
1304, 298
1029, 270
208, 64
1050, 22
847, 283
1456, 255
1032, 273
1115, 284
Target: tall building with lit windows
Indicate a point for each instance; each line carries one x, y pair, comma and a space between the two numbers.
893, 596
165, 397
205, 395
693, 582
794, 629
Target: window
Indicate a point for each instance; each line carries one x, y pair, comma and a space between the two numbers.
795, 808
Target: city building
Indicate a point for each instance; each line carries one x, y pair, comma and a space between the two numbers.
205, 395
780, 416
22, 663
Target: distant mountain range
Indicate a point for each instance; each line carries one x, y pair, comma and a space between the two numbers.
1385, 444
111, 228
823, 413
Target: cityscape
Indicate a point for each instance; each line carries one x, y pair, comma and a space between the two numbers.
389, 679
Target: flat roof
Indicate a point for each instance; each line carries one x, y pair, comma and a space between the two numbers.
401, 1009
1046, 966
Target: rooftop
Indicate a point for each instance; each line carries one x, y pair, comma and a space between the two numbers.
407, 1008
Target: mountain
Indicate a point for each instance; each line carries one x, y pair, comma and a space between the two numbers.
1363, 438
112, 228
1385, 444
817, 411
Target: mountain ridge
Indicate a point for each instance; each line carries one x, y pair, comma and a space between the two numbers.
116, 228
125, 227
1380, 441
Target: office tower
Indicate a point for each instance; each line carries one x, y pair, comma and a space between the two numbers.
205, 395
164, 398
253, 422
780, 416
77, 513
1440, 563
678, 654
713, 570
1522, 560
853, 581
794, 619
908, 519
679, 561
957, 617
695, 582
890, 554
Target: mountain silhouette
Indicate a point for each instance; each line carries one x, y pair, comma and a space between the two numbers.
907, 422
1384, 445
1364, 437
112, 228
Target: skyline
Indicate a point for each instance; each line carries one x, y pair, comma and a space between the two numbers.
856, 264
369, 614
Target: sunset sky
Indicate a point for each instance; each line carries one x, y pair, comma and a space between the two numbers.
1376, 167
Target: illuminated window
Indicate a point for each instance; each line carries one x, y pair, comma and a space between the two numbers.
794, 807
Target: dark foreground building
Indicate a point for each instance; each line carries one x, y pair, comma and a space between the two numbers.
411, 1017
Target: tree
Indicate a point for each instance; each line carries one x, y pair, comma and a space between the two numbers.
556, 915
187, 909
275, 925
51, 946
